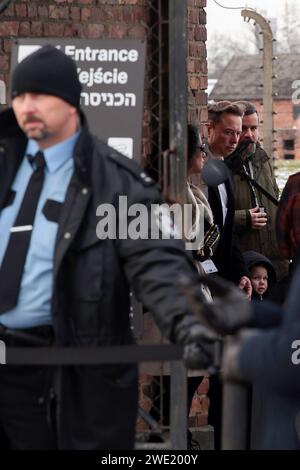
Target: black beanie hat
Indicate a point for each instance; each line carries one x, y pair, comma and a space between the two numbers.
49, 71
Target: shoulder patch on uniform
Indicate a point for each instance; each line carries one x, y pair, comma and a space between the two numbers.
132, 166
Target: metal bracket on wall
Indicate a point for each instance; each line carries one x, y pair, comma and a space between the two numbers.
4, 4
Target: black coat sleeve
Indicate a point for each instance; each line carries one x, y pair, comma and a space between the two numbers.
154, 268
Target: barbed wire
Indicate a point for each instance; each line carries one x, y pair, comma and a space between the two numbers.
232, 8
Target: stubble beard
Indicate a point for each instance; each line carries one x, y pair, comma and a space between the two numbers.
37, 133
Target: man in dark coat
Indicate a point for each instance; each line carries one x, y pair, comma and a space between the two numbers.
224, 129
270, 360
62, 281
255, 213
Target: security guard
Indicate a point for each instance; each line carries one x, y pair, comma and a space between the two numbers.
61, 282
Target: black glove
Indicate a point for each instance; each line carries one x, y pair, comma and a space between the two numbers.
228, 312
235, 160
198, 342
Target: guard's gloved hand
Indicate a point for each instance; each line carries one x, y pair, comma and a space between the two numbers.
228, 312
244, 150
197, 340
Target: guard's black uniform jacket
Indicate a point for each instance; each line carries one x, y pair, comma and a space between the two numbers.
90, 298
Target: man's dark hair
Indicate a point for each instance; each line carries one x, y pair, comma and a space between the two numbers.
249, 108
217, 109
194, 142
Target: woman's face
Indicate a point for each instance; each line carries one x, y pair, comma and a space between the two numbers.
198, 161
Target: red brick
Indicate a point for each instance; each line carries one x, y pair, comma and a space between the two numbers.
146, 390
86, 14
70, 31
3, 62
191, 34
132, 15
203, 117
203, 83
117, 31
32, 10
21, 9
193, 16
192, 115
193, 49
202, 17
7, 45
9, 28
191, 98
142, 14
57, 12
146, 404
190, 66
129, 2
200, 98
141, 425
102, 14
54, 29
75, 13
193, 82
37, 28
201, 420
203, 128
201, 66
200, 33
43, 11
24, 29
143, 378
203, 386
114, 14
195, 407
137, 32
94, 30
204, 400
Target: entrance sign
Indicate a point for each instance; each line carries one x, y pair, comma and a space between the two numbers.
112, 73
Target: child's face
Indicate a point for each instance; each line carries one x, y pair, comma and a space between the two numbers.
259, 279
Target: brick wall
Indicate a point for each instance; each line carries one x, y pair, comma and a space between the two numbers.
100, 19
197, 63
69, 18
200, 405
287, 128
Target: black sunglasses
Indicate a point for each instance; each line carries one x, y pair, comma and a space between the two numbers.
203, 148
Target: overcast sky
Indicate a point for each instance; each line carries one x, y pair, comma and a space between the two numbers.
221, 19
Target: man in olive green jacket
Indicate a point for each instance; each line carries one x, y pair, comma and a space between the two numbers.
254, 212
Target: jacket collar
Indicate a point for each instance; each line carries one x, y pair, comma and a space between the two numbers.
83, 152
9, 129
260, 156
